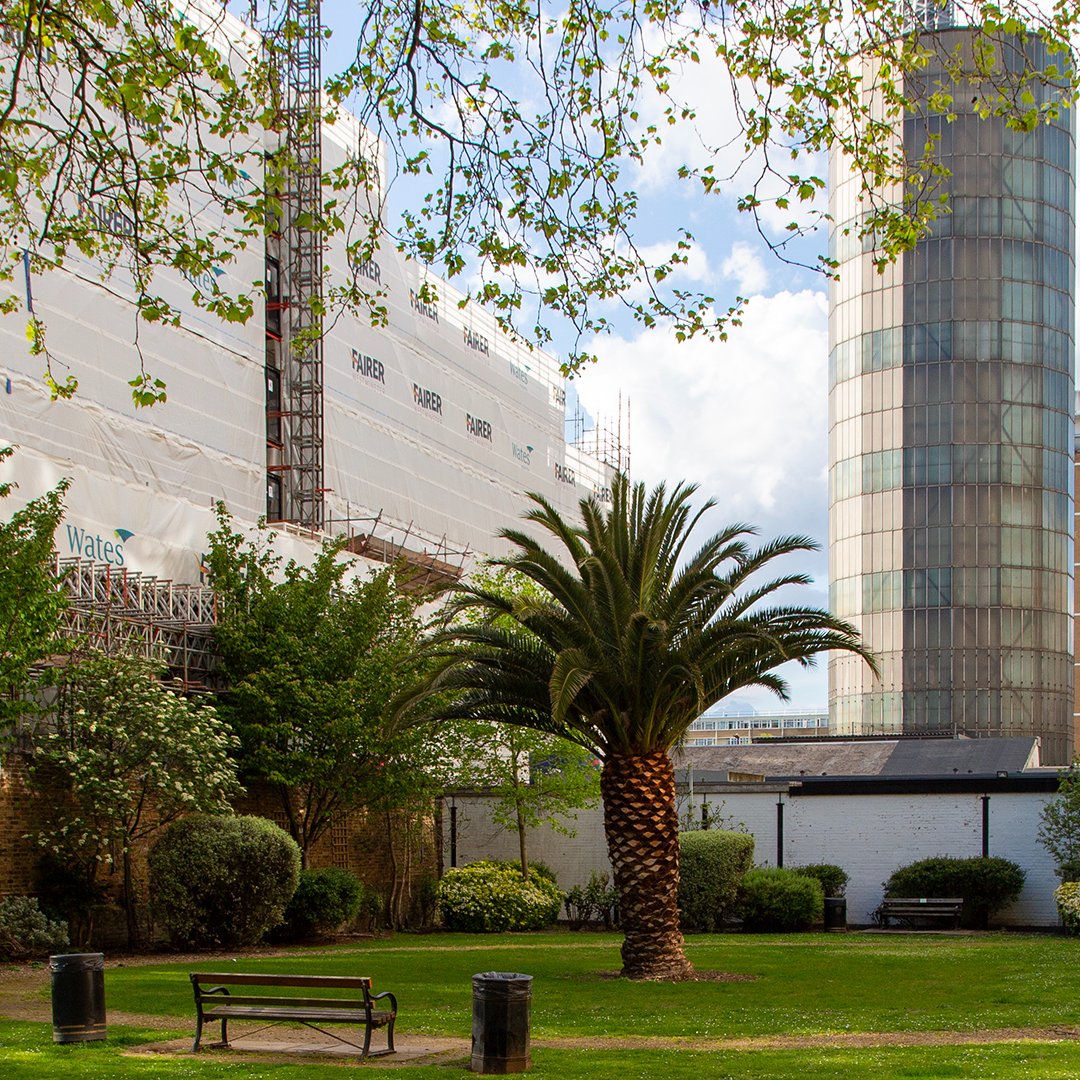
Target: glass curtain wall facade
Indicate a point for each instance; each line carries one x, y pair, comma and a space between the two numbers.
951, 438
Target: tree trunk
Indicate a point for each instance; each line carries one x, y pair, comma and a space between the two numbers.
523, 849
642, 829
129, 901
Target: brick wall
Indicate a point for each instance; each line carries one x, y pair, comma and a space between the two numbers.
358, 844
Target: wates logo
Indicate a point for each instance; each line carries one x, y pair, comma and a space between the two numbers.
519, 373
88, 545
205, 282
522, 454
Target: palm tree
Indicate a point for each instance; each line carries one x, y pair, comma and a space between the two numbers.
628, 641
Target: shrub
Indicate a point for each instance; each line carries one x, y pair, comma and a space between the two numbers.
222, 880
596, 901
485, 896
540, 869
537, 869
833, 879
985, 884
324, 899
25, 931
711, 866
780, 900
1067, 897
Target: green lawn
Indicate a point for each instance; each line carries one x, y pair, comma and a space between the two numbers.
804, 985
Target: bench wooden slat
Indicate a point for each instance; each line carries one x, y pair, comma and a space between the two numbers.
330, 1016
345, 982
211, 1000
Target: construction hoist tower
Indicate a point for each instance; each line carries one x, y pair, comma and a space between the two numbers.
302, 344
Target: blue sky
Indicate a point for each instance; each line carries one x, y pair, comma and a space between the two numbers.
745, 420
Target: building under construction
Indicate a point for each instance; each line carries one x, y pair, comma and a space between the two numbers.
416, 439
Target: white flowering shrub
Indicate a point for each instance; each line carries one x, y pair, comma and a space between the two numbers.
486, 897
25, 931
1067, 896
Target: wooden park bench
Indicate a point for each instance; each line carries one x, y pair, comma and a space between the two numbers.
256, 1000
921, 907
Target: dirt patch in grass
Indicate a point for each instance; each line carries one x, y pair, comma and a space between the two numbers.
697, 976
853, 1039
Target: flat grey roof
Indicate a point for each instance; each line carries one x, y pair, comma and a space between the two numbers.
892, 757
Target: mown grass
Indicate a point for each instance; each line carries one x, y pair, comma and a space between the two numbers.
27, 1054
802, 985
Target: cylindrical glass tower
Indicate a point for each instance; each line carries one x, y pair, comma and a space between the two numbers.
951, 435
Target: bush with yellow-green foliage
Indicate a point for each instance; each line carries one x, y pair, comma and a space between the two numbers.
486, 897
1067, 897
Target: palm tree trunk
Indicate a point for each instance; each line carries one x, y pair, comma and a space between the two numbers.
642, 831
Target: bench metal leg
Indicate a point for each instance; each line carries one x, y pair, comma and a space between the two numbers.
224, 1032
198, 1034
367, 1051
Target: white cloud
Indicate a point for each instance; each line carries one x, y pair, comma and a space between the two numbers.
745, 266
745, 420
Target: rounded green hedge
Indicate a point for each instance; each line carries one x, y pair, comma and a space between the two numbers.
324, 900
712, 863
486, 897
221, 880
780, 900
985, 884
833, 878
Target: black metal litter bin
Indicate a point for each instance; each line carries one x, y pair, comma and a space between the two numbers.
78, 997
835, 913
501, 1022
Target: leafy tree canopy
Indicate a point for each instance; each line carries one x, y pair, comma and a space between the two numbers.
1059, 825
122, 121
31, 600
131, 756
311, 657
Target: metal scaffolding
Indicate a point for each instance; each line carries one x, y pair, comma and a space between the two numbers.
302, 354
116, 609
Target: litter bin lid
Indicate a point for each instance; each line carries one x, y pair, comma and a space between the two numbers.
502, 976
86, 961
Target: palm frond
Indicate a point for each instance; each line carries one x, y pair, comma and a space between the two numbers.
632, 635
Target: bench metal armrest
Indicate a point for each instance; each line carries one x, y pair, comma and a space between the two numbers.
385, 994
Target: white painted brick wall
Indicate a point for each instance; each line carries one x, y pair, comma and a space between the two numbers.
868, 835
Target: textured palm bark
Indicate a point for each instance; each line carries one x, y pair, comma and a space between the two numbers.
642, 830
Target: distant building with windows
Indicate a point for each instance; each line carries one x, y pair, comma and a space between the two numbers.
724, 728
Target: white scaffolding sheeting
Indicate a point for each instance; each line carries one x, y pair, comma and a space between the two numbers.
435, 424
